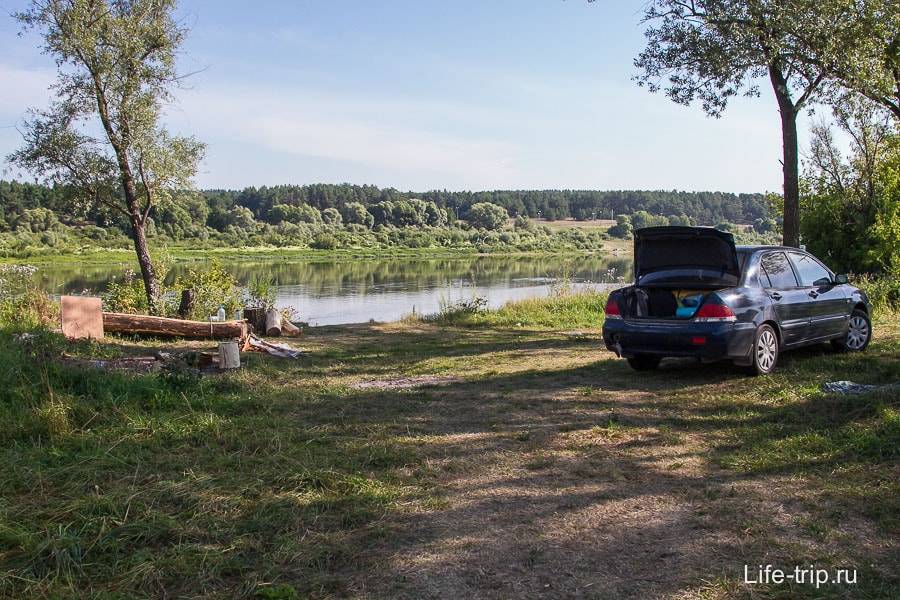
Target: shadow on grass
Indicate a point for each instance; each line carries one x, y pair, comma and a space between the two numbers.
234, 484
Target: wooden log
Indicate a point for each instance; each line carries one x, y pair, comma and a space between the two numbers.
289, 329
147, 325
256, 316
187, 303
229, 355
273, 322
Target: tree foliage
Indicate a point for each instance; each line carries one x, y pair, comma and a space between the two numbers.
485, 215
863, 55
710, 51
116, 68
852, 203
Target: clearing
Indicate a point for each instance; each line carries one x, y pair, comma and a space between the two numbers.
422, 461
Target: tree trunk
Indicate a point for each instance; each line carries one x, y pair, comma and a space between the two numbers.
120, 145
146, 325
186, 307
148, 273
790, 160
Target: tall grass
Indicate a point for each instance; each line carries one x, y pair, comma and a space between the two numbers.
883, 292
122, 486
582, 309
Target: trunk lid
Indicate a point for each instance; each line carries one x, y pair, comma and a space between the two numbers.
682, 253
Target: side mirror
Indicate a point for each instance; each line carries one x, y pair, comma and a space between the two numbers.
841, 279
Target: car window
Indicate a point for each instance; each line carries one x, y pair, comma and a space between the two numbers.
808, 269
777, 271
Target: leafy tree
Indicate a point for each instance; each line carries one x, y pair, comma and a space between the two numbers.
331, 216
642, 219
523, 223
485, 215
765, 225
116, 65
355, 212
383, 212
850, 202
37, 220
622, 229
864, 53
408, 213
242, 218
682, 220
435, 216
289, 213
713, 50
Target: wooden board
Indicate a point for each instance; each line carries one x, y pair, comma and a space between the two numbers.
81, 317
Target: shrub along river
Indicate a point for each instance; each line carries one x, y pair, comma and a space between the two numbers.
324, 292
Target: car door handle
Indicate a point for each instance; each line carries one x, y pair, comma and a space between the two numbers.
814, 294
775, 296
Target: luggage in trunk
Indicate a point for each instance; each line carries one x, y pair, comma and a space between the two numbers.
661, 303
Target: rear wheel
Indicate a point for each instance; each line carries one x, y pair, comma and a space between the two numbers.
644, 362
765, 351
859, 332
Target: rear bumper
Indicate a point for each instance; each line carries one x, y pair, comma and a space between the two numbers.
705, 341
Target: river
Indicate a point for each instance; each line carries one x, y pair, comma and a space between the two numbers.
324, 292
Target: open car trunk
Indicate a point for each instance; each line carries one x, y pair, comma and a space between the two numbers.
676, 268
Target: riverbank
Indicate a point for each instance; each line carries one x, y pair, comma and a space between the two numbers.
415, 459
99, 256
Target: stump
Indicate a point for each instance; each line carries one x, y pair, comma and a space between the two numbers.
229, 355
186, 307
273, 322
256, 316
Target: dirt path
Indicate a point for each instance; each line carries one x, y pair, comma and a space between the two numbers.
555, 486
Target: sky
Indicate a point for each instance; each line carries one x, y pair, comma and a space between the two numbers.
424, 94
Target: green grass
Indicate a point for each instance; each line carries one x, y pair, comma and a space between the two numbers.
567, 310
286, 480
170, 482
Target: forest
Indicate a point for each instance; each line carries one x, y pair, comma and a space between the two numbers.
37, 218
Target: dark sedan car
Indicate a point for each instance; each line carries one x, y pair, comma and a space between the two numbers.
698, 295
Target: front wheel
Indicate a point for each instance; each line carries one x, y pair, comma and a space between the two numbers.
765, 351
644, 362
859, 333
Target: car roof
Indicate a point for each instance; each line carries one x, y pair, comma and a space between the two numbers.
749, 249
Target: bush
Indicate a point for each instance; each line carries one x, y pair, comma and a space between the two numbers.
485, 215
458, 311
213, 287
260, 292
126, 295
324, 241
883, 292
622, 229
23, 305
642, 219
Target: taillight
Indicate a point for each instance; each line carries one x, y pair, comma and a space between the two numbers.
612, 310
711, 313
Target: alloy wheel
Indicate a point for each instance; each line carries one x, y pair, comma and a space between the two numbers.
766, 350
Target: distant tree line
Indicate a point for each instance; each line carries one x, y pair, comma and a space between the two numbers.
369, 206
